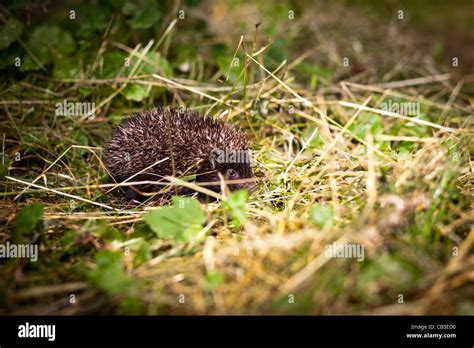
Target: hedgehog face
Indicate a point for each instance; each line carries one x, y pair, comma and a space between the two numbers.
233, 165
238, 171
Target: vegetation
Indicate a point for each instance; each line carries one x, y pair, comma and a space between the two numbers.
314, 87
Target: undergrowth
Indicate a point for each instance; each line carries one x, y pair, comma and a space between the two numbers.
334, 166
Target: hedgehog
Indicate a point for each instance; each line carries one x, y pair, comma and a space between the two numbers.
150, 145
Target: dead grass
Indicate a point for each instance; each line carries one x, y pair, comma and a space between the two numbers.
411, 209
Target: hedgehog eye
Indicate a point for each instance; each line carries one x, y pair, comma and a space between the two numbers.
231, 173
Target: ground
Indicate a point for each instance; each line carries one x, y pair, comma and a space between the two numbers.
360, 123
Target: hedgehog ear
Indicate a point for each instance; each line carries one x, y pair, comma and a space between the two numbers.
216, 156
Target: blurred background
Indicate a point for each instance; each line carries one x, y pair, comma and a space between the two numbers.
403, 189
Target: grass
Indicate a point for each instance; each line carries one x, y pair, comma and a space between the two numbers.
333, 166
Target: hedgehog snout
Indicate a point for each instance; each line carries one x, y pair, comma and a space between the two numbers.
250, 185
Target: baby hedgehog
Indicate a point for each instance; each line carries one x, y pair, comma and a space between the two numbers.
168, 142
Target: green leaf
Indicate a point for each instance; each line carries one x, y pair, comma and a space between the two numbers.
181, 222
10, 32
316, 141
92, 19
184, 53
80, 137
48, 44
236, 205
109, 275
67, 68
28, 218
230, 66
85, 91
135, 92
322, 215
143, 14
161, 65
143, 253
113, 62
68, 244
366, 122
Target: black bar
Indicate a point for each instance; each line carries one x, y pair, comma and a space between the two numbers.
288, 330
